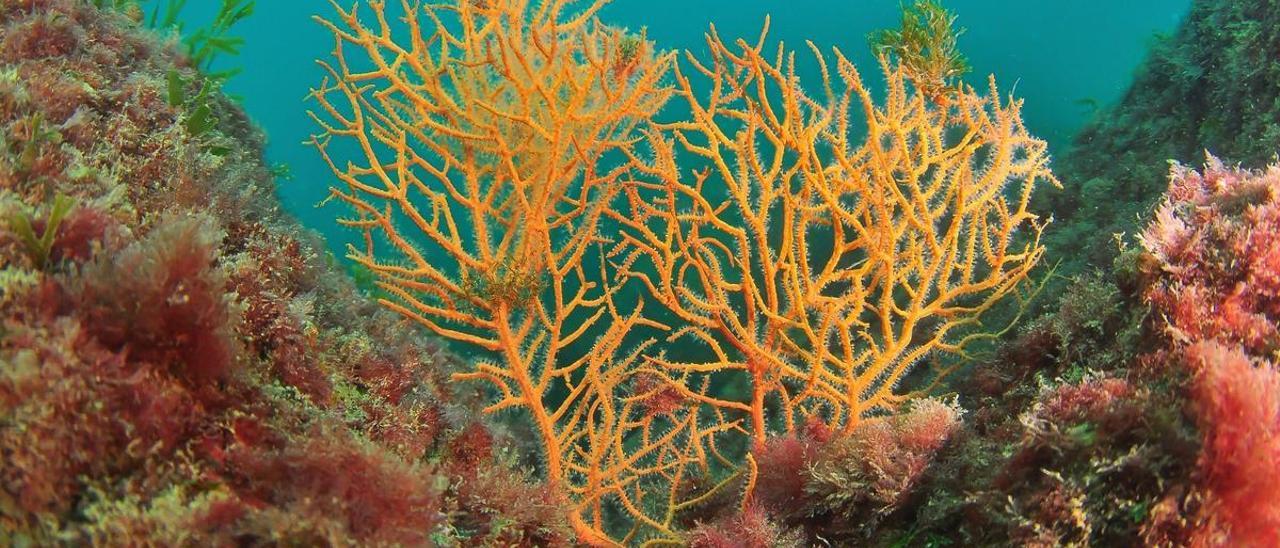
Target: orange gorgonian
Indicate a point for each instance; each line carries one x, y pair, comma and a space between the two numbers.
821, 258
482, 131
509, 181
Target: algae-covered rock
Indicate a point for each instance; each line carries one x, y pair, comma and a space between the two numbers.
180, 363
1212, 85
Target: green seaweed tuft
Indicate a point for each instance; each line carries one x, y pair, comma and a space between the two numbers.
40, 248
925, 46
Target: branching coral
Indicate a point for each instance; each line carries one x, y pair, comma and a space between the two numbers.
484, 144
823, 266
500, 140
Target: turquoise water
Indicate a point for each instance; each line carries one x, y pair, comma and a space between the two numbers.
1063, 57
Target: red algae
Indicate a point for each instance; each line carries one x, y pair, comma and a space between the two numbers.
184, 368
879, 465
752, 528
783, 462
1216, 239
163, 301
1239, 407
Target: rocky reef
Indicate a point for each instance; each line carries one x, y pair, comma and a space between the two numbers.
1213, 85
181, 363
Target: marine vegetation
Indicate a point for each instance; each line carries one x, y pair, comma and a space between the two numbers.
1216, 243
1211, 85
500, 142
609, 294
179, 366
204, 44
926, 47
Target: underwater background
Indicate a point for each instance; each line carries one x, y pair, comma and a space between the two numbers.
1066, 59
189, 358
